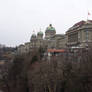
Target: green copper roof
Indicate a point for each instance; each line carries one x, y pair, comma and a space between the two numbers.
40, 33
50, 28
33, 34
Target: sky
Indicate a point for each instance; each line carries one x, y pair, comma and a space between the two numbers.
18, 18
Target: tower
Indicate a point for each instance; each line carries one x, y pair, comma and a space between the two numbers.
50, 32
33, 40
40, 35
33, 37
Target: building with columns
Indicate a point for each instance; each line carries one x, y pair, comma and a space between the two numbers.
80, 34
50, 40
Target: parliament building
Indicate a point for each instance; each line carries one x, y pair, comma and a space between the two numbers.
78, 36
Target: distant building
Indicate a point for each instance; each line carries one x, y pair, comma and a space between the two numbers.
80, 34
21, 49
2, 46
51, 40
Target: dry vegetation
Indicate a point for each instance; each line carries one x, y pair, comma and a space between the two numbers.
68, 72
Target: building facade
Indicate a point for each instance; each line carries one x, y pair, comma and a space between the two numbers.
51, 40
80, 35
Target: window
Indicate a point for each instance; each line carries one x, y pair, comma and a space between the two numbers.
87, 35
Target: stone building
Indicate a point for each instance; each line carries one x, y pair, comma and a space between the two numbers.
80, 34
33, 40
56, 40
61, 42
27, 46
36, 41
39, 39
40, 35
21, 49
51, 40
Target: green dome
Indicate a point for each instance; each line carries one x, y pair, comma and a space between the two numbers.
50, 28
40, 33
33, 35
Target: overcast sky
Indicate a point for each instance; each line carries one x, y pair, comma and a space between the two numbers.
18, 18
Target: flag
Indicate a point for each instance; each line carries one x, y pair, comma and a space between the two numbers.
33, 31
89, 13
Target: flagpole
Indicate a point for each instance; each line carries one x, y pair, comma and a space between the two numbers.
87, 15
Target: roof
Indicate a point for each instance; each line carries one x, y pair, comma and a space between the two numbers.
82, 23
50, 28
79, 23
40, 33
33, 35
27, 43
21, 45
59, 35
56, 50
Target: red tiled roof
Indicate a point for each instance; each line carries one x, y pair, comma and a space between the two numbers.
56, 50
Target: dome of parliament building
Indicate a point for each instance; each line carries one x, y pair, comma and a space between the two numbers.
50, 28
